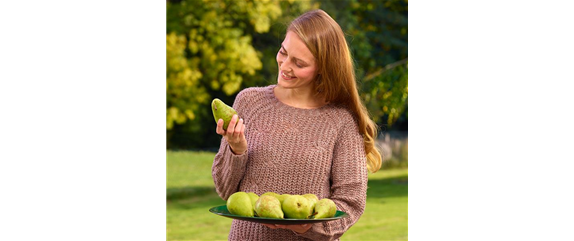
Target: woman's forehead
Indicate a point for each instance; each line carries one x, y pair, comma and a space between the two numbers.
296, 48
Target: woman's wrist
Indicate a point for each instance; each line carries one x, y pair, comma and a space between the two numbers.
236, 152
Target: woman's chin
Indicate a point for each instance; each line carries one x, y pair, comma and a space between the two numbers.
285, 83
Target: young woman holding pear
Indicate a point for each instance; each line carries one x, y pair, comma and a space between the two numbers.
309, 133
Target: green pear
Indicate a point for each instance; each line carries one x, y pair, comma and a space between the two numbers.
239, 203
272, 194
269, 207
296, 206
325, 208
312, 198
253, 197
282, 197
222, 111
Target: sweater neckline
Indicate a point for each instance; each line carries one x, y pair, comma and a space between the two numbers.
280, 105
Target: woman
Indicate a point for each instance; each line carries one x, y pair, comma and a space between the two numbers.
309, 133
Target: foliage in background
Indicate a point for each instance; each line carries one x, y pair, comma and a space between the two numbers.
377, 35
215, 48
185, 94
386, 94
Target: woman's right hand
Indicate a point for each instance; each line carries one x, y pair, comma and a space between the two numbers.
234, 135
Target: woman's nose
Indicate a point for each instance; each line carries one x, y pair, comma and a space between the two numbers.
285, 66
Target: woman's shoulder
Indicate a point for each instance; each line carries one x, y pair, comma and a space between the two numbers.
252, 96
341, 112
254, 92
342, 117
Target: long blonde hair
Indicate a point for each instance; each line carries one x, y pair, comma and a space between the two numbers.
336, 75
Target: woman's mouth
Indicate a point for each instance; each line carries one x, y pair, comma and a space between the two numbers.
287, 77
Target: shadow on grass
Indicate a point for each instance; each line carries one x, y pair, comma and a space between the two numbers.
173, 194
193, 197
388, 187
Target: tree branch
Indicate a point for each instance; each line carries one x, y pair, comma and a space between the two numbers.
384, 69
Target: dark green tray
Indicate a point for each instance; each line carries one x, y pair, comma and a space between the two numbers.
222, 211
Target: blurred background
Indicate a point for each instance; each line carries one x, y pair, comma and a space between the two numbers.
215, 48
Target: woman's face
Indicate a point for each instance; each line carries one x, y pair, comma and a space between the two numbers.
297, 66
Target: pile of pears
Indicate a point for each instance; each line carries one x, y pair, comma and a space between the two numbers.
273, 205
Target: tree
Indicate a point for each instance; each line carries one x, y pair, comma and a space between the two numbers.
385, 82
210, 54
377, 36
184, 93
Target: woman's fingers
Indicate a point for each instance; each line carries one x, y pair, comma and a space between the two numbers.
271, 226
219, 129
236, 128
235, 133
239, 129
231, 126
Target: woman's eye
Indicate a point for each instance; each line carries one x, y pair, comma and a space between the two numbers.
282, 53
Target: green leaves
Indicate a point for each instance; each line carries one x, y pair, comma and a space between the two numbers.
209, 50
385, 92
377, 35
183, 93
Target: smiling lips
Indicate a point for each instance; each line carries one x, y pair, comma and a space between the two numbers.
286, 76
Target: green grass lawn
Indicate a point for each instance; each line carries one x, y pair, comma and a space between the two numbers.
190, 194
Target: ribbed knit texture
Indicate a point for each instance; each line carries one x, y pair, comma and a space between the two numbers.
294, 151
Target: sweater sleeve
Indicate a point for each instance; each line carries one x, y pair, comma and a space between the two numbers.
228, 168
349, 178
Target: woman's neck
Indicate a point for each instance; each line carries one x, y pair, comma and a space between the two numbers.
303, 98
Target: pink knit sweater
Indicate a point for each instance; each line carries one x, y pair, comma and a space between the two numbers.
294, 151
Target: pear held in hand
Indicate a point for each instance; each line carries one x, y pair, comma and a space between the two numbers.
325, 208
268, 206
297, 206
222, 111
240, 203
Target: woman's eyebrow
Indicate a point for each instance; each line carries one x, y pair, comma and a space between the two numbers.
297, 59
